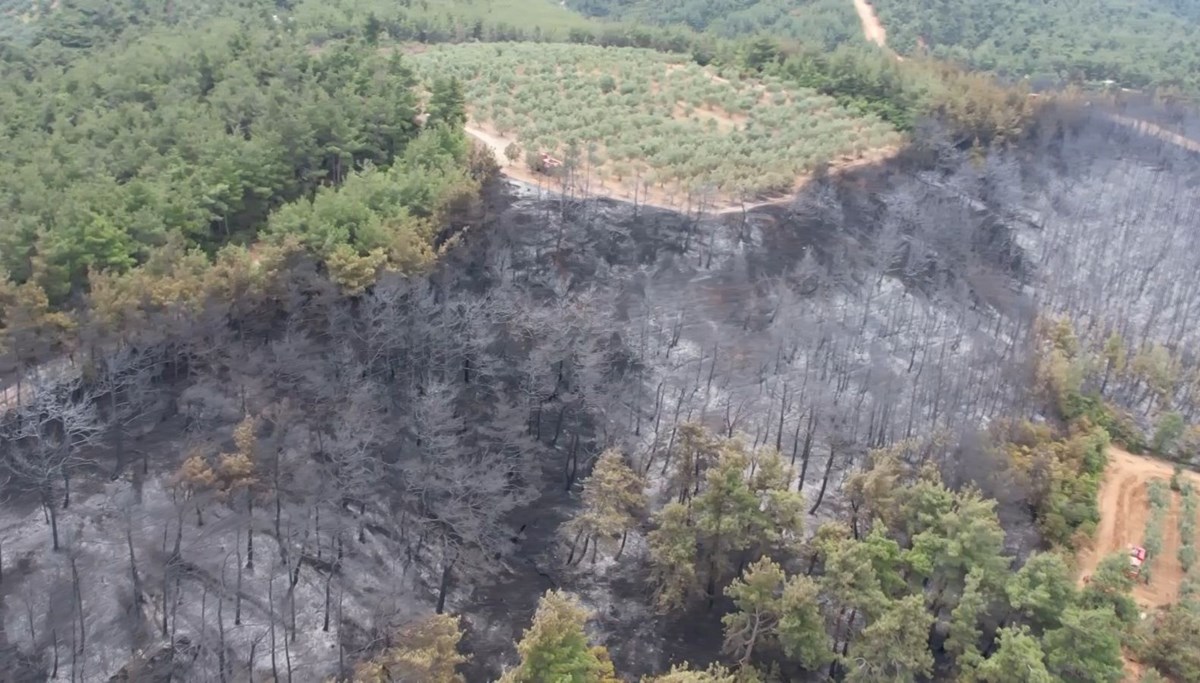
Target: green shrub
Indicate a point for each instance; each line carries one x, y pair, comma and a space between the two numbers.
1187, 557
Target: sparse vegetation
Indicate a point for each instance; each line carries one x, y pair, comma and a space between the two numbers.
638, 116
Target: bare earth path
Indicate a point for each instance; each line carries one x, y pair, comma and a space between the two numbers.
872, 28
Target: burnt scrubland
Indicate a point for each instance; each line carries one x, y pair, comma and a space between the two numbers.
300, 389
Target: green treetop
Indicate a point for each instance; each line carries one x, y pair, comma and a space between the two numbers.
1018, 659
613, 502
894, 647
555, 649
1041, 589
1086, 647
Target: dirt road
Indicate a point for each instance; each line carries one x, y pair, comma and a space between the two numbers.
1157, 131
872, 28
1124, 509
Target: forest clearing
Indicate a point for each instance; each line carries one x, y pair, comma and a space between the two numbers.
636, 124
1124, 512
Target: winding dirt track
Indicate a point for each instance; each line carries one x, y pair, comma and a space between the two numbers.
1124, 510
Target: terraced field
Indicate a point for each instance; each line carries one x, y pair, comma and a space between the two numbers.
651, 122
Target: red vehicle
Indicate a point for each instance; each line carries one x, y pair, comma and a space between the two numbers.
548, 163
1137, 556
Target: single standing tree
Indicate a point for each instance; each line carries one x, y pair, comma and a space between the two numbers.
424, 651
555, 647
1111, 586
45, 436
238, 476
1170, 427
756, 597
851, 579
696, 452
447, 103
729, 518
673, 556
963, 639
512, 152
964, 538
781, 526
801, 628
613, 502
195, 478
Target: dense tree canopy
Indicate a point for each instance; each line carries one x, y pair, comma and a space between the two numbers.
194, 137
1134, 44
823, 23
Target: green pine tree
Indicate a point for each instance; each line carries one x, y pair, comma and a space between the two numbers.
555, 649
447, 103
1018, 659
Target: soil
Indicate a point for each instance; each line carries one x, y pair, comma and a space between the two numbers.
1124, 510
